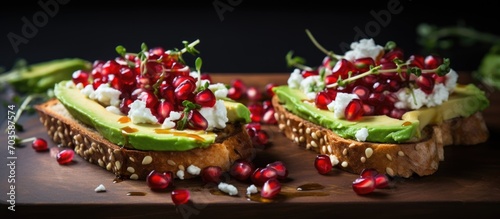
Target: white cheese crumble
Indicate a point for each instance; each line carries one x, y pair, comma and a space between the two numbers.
361, 134
193, 170
451, 80
362, 49
295, 79
100, 188
87, 90
114, 110
311, 85
106, 95
252, 189
219, 90
139, 113
216, 116
228, 188
340, 103
169, 123
180, 174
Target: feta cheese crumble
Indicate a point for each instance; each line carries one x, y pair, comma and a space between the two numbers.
363, 48
180, 174
139, 113
100, 188
193, 170
169, 123
219, 90
361, 134
295, 79
252, 189
228, 188
106, 95
216, 116
340, 103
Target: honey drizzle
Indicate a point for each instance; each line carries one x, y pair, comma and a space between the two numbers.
124, 119
168, 131
407, 123
128, 129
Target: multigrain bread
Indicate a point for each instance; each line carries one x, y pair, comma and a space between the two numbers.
404, 160
232, 143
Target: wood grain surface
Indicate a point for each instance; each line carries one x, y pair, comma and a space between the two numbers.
466, 185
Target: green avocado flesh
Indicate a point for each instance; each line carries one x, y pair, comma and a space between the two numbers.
121, 131
464, 101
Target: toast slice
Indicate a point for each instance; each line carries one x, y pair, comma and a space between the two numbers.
404, 160
232, 143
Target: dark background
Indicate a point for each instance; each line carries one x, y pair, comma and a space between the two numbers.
250, 36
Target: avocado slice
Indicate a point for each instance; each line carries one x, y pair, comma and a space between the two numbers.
463, 102
117, 129
40, 77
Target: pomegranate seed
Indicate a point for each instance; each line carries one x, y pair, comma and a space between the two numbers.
180, 196
65, 156
239, 85
369, 80
331, 79
234, 93
184, 89
110, 67
267, 104
354, 110
438, 79
268, 117
327, 62
363, 185
381, 181
168, 92
159, 180
368, 109
269, 89
432, 61
323, 164
181, 78
397, 113
124, 105
280, 168
363, 64
206, 76
163, 110
342, 68
256, 111
149, 98
416, 61
206, 98
261, 175
396, 53
322, 100
196, 121
211, 174
259, 137
257, 126
39, 144
368, 172
307, 73
127, 76
362, 92
253, 94
80, 76
241, 169
425, 83
271, 188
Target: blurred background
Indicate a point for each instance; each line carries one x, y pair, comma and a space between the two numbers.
241, 35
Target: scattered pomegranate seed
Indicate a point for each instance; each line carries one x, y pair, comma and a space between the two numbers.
268, 117
180, 196
323, 164
425, 83
159, 180
363, 185
322, 100
254, 94
269, 89
241, 169
381, 181
270, 189
65, 156
261, 175
211, 174
280, 168
206, 98
80, 76
40, 144
354, 110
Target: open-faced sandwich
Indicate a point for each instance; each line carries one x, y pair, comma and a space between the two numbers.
375, 107
148, 111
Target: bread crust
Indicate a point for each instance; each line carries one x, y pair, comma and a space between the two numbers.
231, 144
402, 160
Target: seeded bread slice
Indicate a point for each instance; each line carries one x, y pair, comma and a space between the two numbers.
403, 160
231, 144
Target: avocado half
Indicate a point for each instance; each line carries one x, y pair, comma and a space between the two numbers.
463, 102
139, 136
